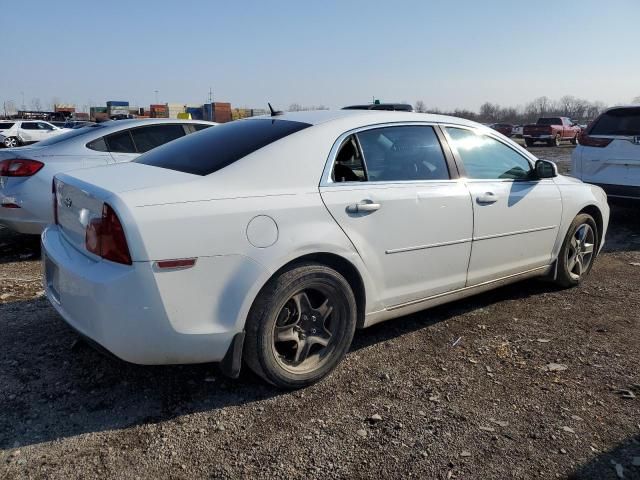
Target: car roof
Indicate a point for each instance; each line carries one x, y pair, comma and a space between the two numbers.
363, 117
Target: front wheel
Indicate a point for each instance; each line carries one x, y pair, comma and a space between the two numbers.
578, 251
11, 142
528, 142
300, 326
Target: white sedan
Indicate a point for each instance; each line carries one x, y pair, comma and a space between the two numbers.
270, 240
26, 173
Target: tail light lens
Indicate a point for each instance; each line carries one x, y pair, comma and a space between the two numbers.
19, 167
588, 141
105, 237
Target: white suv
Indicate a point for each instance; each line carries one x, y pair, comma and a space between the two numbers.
609, 152
14, 133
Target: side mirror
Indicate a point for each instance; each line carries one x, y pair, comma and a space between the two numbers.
546, 169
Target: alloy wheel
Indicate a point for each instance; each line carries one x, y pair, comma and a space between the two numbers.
10, 142
580, 251
303, 332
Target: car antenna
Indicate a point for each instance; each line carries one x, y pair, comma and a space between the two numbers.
274, 113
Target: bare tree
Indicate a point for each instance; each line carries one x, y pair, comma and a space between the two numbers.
489, 112
420, 107
36, 104
636, 100
295, 107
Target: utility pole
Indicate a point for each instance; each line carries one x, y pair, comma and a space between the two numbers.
156, 96
210, 95
23, 107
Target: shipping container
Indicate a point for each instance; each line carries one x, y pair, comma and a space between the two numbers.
117, 103
197, 113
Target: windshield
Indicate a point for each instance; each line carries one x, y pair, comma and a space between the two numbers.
210, 150
63, 137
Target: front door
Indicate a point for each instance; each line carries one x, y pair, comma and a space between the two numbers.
516, 217
390, 190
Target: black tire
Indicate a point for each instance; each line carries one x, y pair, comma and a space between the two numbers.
556, 142
528, 142
279, 326
574, 140
567, 270
10, 142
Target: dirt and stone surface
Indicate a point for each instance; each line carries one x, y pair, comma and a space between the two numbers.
523, 382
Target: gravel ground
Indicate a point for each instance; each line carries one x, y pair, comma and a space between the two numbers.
523, 382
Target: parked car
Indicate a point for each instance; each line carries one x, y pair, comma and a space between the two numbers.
23, 132
608, 153
517, 131
271, 239
552, 130
26, 173
394, 107
505, 129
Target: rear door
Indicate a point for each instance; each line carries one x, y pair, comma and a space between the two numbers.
28, 132
516, 217
617, 160
395, 193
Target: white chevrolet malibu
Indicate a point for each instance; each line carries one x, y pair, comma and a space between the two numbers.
270, 240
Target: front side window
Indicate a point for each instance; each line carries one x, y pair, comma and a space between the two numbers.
391, 154
484, 157
44, 126
148, 138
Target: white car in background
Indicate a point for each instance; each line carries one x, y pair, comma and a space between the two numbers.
22, 132
271, 239
26, 173
608, 153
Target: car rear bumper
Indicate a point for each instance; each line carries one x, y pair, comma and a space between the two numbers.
139, 314
21, 219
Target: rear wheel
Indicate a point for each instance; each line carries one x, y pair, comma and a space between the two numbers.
574, 140
300, 326
578, 251
11, 142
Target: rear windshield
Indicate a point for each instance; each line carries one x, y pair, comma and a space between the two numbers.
76, 132
5, 125
549, 121
210, 150
622, 121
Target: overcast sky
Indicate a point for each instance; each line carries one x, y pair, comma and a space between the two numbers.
447, 53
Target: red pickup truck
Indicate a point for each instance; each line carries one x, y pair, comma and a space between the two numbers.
552, 130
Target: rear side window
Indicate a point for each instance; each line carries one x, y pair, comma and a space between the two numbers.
29, 126
212, 149
549, 121
621, 121
5, 125
148, 138
406, 153
120, 142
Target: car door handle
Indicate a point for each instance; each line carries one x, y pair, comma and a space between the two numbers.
364, 206
487, 198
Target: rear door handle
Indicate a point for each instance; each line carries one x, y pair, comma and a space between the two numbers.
487, 198
364, 206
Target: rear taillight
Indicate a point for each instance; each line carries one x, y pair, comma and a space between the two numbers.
19, 167
587, 141
105, 237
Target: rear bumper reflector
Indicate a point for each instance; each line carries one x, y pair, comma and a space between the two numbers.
175, 264
9, 205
